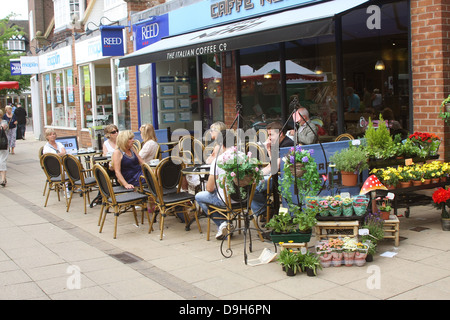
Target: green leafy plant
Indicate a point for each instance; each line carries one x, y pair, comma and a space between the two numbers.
311, 261
443, 114
306, 219
307, 185
352, 159
282, 222
289, 259
379, 141
374, 224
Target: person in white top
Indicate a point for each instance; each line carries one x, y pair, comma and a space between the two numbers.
52, 146
215, 130
111, 133
150, 143
213, 196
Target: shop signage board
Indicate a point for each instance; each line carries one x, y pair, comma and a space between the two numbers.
150, 31
29, 64
15, 67
57, 59
112, 40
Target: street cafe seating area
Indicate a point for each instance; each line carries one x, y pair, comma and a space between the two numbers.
160, 194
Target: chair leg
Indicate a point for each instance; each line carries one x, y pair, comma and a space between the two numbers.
70, 201
135, 215
196, 219
116, 217
208, 226
161, 224
101, 213
48, 194
104, 217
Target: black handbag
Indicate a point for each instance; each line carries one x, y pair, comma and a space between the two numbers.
3, 140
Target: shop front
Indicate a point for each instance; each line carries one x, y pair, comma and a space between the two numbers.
266, 59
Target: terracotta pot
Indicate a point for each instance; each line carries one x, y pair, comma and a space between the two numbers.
405, 184
427, 181
349, 179
417, 183
435, 180
247, 180
385, 215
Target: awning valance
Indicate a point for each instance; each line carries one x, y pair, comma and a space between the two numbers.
301, 23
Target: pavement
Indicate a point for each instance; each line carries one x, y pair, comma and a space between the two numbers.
47, 253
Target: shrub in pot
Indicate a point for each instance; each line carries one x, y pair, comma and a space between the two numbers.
350, 161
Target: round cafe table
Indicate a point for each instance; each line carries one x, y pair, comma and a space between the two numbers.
202, 170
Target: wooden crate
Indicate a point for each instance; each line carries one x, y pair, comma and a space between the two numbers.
336, 225
392, 229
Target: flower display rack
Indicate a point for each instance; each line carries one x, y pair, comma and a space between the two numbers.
331, 228
392, 229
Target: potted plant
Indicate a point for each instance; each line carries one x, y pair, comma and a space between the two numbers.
385, 207
349, 250
350, 162
335, 206
378, 140
428, 142
296, 228
310, 263
336, 251
444, 112
361, 253
240, 170
289, 259
324, 251
347, 207
441, 199
374, 225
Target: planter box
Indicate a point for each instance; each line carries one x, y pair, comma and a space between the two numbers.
296, 237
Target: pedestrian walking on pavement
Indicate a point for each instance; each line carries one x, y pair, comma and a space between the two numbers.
21, 117
12, 125
3, 150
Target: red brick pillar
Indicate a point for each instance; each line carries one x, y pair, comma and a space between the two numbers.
430, 35
229, 91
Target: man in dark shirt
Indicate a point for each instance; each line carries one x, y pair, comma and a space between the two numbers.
276, 137
21, 116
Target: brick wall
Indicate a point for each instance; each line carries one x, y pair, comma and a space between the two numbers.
229, 92
430, 27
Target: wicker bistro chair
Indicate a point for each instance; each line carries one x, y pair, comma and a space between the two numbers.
168, 203
40, 154
169, 172
56, 177
78, 178
118, 202
232, 212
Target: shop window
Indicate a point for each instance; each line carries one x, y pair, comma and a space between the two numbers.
86, 96
145, 93
212, 89
70, 100
376, 65
103, 92
311, 80
123, 97
47, 96
59, 116
177, 100
260, 86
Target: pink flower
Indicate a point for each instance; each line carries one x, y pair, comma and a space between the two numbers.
256, 169
232, 174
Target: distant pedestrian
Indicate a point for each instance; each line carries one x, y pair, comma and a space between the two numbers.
3, 152
21, 117
12, 124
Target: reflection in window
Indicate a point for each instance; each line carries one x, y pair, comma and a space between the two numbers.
212, 90
123, 97
86, 96
145, 93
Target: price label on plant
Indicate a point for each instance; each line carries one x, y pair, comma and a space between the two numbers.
363, 232
390, 196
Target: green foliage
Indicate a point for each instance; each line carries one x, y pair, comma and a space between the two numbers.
443, 113
379, 141
7, 32
352, 159
311, 261
306, 219
289, 259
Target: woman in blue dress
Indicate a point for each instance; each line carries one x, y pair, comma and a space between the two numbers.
126, 160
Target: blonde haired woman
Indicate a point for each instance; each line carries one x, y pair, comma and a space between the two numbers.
52, 146
12, 124
216, 131
111, 132
126, 161
150, 144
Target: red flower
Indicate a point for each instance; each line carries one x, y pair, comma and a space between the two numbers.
441, 195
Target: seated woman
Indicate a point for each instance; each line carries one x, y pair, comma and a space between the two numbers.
215, 130
111, 133
213, 196
52, 146
126, 161
150, 144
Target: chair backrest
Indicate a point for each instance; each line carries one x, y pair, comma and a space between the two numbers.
344, 136
73, 168
152, 181
103, 182
52, 165
158, 153
41, 152
198, 148
168, 172
257, 151
137, 144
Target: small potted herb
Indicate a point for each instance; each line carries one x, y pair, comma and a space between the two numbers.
350, 162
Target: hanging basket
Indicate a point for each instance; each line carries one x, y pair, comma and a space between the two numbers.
247, 180
298, 171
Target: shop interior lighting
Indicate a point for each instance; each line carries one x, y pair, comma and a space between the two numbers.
380, 65
318, 70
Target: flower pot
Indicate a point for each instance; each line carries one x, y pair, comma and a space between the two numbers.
349, 179
298, 171
336, 258
360, 205
335, 211
427, 181
296, 237
360, 258
390, 187
369, 257
310, 272
405, 184
347, 211
348, 258
385, 214
247, 180
445, 222
435, 180
417, 183
290, 272
325, 259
